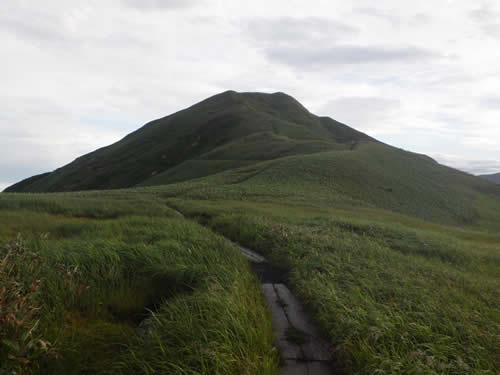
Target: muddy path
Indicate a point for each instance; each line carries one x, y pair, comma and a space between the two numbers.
303, 350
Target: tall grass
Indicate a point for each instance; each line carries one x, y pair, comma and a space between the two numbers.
391, 298
106, 272
392, 293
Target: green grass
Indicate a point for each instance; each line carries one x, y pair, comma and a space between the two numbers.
396, 256
373, 175
107, 262
394, 294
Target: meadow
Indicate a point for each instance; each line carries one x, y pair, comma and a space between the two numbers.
117, 283
399, 270
393, 293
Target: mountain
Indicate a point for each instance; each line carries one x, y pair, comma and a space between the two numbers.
240, 143
225, 131
491, 177
371, 175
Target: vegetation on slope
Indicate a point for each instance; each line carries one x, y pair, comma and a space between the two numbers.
396, 256
270, 141
229, 126
374, 175
393, 294
116, 283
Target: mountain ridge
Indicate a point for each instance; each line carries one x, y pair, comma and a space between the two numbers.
241, 143
204, 130
495, 177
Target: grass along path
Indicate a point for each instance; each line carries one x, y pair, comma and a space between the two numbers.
391, 298
77, 283
303, 350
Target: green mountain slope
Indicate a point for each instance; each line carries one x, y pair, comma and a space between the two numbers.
395, 256
239, 144
233, 129
372, 174
492, 177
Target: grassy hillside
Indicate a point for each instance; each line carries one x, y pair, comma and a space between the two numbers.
370, 175
226, 129
116, 283
492, 177
396, 256
394, 294
270, 141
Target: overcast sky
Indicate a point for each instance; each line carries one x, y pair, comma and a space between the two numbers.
77, 75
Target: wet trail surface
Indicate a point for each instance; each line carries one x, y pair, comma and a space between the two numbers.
303, 350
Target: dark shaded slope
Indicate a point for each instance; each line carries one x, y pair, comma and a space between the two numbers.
229, 126
26, 183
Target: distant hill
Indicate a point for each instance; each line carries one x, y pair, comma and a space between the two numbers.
372, 174
492, 177
269, 142
222, 132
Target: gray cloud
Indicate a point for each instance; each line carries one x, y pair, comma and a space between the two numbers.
80, 75
312, 42
490, 102
484, 14
289, 30
421, 19
487, 19
158, 4
476, 167
451, 123
33, 26
318, 56
394, 17
39, 135
385, 15
363, 112
54, 30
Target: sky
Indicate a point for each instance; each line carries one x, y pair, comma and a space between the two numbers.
420, 75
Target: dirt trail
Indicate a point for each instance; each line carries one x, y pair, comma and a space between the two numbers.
302, 349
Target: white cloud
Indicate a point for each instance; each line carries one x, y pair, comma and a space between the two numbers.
154, 5
487, 18
365, 113
473, 166
296, 30
490, 102
312, 57
76, 76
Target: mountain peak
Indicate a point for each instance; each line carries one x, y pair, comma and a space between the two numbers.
237, 128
